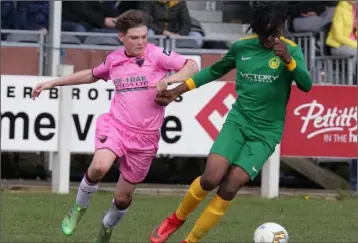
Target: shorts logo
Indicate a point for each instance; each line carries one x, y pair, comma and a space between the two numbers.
102, 138
274, 62
167, 51
254, 169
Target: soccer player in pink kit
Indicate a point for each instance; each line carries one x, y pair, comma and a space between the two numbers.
129, 133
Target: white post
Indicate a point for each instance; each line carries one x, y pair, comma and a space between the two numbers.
62, 158
53, 52
270, 176
54, 34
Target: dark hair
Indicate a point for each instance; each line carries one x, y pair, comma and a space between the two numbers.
131, 19
263, 14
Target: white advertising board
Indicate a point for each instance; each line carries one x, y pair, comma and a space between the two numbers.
28, 125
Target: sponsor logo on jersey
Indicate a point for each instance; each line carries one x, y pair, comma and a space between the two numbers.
245, 58
131, 83
263, 78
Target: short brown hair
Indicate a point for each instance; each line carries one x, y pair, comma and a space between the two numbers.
131, 19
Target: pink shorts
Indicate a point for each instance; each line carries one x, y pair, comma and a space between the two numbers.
135, 149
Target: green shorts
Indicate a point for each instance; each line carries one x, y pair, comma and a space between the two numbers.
239, 150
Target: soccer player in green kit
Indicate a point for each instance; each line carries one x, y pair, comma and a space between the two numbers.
266, 64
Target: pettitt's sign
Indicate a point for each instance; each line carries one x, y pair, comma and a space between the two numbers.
321, 123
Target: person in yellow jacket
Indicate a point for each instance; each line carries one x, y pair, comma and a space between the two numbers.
342, 37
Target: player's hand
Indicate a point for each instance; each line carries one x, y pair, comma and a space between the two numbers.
160, 85
40, 87
281, 51
165, 97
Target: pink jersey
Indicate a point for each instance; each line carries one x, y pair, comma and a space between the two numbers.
133, 103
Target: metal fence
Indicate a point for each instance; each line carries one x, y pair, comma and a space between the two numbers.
324, 69
36, 39
307, 42
333, 70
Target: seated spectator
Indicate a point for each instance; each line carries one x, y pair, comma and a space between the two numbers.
236, 11
342, 38
32, 15
7, 16
83, 16
123, 6
170, 18
311, 16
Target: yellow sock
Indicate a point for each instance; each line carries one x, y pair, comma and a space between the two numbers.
191, 200
208, 219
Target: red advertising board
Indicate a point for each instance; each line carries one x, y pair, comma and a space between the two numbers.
321, 123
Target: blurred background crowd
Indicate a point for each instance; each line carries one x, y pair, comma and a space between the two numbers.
335, 19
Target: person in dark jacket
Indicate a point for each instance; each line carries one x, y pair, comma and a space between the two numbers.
7, 14
123, 6
169, 18
311, 16
94, 16
32, 15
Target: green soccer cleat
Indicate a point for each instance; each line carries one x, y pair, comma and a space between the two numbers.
104, 235
70, 222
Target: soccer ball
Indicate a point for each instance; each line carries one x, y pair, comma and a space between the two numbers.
270, 233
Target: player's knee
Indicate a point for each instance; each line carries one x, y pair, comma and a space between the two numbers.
229, 191
209, 183
123, 200
102, 161
98, 169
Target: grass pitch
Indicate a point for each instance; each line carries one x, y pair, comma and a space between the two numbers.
36, 217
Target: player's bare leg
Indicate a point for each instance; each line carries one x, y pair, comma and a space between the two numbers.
102, 161
215, 170
232, 183
119, 207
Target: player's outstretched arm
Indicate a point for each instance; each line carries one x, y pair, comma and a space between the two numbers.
299, 70
81, 77
184, 73
189, 68
206, 75
215, 71
165, 97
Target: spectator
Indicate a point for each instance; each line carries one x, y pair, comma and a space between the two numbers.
170, 18
342, 38
7, 14
123, 6
94, 16
32, 15
311, 16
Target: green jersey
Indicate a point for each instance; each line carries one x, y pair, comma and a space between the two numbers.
263, 86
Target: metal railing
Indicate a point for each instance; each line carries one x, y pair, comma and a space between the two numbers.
324, 69
40, 44
161, 41
307, 42
333, 70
